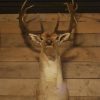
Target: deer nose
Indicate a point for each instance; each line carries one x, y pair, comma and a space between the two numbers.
48, 42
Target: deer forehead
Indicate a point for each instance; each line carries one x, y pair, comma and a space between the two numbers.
48, 35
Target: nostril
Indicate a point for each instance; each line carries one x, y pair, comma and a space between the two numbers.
49, 42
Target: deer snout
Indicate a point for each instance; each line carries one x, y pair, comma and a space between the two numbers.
49, 42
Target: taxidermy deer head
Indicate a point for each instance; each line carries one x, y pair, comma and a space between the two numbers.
47, 38
51, 83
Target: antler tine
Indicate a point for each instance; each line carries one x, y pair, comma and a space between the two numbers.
72, 7
76, 7
23, 9
74, 10
22, 14
57, 24
23, 5
41, 24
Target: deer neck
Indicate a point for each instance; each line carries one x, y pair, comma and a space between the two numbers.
50, 66
51, 85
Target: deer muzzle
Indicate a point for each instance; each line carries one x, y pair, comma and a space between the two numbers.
49, 42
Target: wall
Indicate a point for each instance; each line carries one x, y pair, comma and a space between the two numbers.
19, 65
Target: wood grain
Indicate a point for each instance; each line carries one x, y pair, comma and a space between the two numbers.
17, 98
88, 23
17, 54
18, 87
88, 27
34, 98
9, 27
19, 65
30, 70
19, 70
88, 39
27, 87
12, 40
81, 70
72, 54
83, 40
82, 27
84, 98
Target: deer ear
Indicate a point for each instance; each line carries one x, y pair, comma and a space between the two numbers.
35, 38
64, 37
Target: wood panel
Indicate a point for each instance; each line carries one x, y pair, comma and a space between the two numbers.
19, 70
30, 70
18, 87
34, 98
19, 65
82, 54
82, 27
13, 27
17, 54
87, 23
81, 70
12, 40
88, 27
9, 27
84, 98
74, 54
17, 98
83, 40
87, 39
27, 87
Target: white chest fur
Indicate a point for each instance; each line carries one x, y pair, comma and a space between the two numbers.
51, 84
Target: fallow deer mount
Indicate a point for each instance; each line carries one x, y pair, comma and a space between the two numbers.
51, 83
